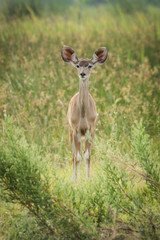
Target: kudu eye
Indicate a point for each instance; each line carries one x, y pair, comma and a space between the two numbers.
89, 66
77, 66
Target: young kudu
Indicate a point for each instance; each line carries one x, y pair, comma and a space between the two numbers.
82, 115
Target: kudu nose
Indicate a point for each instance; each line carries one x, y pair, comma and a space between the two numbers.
83, 74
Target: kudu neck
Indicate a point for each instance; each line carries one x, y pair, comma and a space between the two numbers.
83, 96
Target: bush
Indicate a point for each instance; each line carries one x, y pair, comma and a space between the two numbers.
143, 150
23, 176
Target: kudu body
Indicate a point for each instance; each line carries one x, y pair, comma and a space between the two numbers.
82, 115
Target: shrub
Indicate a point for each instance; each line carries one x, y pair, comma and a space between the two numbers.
143, 150
23, 175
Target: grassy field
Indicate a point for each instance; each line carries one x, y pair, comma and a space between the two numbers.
121, 200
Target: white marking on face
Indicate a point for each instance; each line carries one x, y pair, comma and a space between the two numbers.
83, 78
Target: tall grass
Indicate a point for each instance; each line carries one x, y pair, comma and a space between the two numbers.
20, 8
121, 199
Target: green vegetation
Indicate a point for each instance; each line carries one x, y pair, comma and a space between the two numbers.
20, 8
121, 200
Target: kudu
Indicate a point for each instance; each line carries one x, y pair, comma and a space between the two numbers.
82, 115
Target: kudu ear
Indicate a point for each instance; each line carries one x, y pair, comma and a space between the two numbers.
99, 56
69, 55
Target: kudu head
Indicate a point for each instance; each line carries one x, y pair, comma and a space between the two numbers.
84, 65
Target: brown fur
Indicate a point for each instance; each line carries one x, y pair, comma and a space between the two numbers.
82, 118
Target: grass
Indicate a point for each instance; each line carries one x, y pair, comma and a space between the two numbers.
121, 198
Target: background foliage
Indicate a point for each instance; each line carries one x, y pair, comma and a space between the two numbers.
26, 7
38, 198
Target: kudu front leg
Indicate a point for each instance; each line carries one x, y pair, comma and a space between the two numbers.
87, 156
76, 146
87, 153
